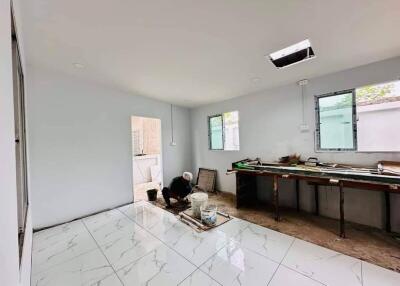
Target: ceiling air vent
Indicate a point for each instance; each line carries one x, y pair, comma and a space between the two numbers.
293, 54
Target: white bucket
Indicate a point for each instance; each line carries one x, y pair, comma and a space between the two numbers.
198, 200
209, 215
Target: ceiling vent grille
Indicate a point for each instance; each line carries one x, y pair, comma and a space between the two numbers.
293, 54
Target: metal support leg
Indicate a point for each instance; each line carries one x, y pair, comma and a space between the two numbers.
297, 195
387, 203
316, 197
276, 198
342, 231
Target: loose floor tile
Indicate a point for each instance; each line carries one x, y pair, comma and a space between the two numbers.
236, 265
377, 276
287, 277
324, 265
162, 266
83, 270
198, 278
264, 241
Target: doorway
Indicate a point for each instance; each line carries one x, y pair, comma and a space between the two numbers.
20, 137
146, 156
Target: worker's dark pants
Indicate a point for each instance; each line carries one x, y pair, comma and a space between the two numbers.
167, 194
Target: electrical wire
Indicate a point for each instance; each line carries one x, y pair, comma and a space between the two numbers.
172, 125
302, 104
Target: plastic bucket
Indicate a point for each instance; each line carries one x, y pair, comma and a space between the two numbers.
198, 200
209, 214
152, 194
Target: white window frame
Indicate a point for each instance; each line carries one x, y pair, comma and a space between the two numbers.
318, 121
223, 132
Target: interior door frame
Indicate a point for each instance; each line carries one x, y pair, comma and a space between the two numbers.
161, 163
20, 136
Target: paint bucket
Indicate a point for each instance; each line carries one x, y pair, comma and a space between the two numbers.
198, 200
152, 194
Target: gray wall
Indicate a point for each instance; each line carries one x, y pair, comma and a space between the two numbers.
269, 128
80, 145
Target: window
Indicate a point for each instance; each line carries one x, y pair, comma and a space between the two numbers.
223, 131
335, 125
364, 119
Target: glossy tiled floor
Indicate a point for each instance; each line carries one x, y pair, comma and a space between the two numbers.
141, 244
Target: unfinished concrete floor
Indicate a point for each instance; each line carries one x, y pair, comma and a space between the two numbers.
362, 242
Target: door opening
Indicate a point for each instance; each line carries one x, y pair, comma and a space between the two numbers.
146, 156
20, 137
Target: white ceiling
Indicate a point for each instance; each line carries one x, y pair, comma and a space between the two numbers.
196, 52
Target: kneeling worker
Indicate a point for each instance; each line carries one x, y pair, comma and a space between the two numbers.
178, 189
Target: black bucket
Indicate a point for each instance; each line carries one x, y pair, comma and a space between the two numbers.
152, 194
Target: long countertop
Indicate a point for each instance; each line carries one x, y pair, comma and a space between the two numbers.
322, 172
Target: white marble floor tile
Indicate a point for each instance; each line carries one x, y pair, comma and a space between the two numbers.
324, 265
98, 220
287, 277
50, 236
143, 214
231, 228
198, 278
82, 270
264, 241
169, 230
128, 248
112, 230
377, 276
61, 250
164, 222
236, 253
162, 266
198, 247
236, 265
111, 280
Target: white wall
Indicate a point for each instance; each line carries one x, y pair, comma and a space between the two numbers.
11, 273
81, 145
269, 128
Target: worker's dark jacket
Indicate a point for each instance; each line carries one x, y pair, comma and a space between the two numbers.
180, 187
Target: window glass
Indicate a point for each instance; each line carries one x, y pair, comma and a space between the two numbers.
336, 121
224, 131
216, 133
231, 130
